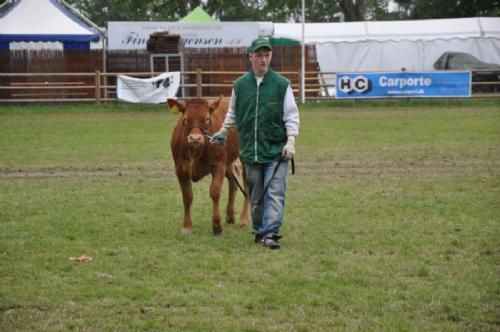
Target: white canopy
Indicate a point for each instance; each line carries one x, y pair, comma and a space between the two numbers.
396, 45
383, 31
44, 21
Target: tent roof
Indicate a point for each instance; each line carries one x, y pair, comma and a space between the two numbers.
198, 15
43, 20
391, 30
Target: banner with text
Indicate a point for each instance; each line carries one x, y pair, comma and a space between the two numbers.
134, 35
148, 90
403, 85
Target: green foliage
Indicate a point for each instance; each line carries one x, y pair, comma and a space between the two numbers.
391, 224
236, 10
291, 11
418, 9
102, 11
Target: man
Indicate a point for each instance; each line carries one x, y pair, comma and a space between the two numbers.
264, 111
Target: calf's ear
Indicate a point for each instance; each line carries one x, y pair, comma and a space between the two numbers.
175, 104
214, 105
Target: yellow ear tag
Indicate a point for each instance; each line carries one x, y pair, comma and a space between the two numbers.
174, 109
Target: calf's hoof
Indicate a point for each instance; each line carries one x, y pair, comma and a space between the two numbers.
217, 230
243, 222
230, 220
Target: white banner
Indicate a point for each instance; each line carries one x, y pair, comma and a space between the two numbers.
134, 35
148, 90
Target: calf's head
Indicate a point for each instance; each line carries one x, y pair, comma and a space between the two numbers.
196, 115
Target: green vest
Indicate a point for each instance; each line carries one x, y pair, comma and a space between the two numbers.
259, 117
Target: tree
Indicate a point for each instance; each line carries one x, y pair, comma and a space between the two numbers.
352, 9
291, 11
422, 9
102, 11
235, 10
327, 11
378, 10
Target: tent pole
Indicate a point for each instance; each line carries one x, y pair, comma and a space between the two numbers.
102, 33
105, 63
303, 61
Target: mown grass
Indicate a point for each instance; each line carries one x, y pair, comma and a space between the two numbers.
392, 223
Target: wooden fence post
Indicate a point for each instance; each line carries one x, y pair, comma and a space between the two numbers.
199, 81
97, 87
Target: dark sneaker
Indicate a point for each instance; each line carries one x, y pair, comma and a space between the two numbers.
269, 242
276, 237
258, 238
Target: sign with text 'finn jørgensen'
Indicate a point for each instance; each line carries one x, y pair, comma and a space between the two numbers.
403, 85
134, 35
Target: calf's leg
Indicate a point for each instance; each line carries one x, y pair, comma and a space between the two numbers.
215, 190
187, 199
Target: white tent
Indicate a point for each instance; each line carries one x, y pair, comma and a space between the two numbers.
393, 45
44, 21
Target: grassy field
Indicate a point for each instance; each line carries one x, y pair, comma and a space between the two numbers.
392, 224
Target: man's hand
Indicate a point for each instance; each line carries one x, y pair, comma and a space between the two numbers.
220, 136
289, 148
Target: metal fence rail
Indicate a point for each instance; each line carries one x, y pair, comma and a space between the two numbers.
98, 87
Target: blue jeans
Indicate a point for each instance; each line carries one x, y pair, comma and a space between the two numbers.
267, 215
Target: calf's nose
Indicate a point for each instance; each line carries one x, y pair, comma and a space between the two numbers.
195, 138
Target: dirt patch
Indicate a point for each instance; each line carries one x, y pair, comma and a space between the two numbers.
79, 172
359, 167
338, 168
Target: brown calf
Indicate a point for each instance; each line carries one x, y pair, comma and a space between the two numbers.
195, 157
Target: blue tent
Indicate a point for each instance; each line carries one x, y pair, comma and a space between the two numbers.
44, 21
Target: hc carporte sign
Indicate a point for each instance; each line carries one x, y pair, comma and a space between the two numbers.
403, 85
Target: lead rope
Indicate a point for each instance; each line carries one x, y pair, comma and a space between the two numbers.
268, 183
